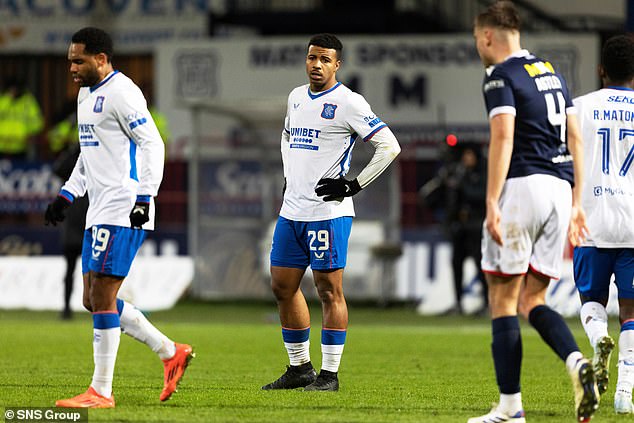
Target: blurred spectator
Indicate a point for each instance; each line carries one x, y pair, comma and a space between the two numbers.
461, 185
20, 120
64, 132
73, 225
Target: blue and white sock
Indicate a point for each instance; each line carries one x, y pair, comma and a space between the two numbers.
626, 359
332, 341
594, 319
297, 345
107, 333
135, 324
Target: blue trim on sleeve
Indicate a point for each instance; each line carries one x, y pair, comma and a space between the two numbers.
374, 132
142, 198
333, 337
133, 173
105, 320
120, 305
67, 195
314, 96
138, 123
94, 87
295, 336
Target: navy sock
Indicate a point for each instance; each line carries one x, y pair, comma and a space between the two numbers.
553, 330
507, 353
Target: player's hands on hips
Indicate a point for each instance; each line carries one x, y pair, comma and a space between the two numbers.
140, 213
55, 210
492, 223
577, 230
335, 189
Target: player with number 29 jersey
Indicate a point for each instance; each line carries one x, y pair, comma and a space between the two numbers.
606, 118
320, 130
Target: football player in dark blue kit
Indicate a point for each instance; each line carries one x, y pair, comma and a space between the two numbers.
530, 206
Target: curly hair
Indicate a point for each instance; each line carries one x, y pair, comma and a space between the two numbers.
617, 58
95, 40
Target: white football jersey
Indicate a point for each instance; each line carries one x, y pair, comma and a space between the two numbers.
606, 118
320, 130
122, 153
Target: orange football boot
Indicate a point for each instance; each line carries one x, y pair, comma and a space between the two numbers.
89, 399
175, 368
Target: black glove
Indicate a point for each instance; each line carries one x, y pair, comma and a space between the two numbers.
284, 188
336, 189
140, 214
55, 210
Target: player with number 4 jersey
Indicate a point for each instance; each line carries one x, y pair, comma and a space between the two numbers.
120, 167
530, 206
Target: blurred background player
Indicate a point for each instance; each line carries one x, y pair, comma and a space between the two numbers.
323, 120
458, 190
608, 198
115, 131
20, 121
529, 206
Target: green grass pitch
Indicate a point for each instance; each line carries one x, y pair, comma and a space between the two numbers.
397, 367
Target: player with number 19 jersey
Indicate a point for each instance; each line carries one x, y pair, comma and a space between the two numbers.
606, 118
529, 88
320, 130
114, 123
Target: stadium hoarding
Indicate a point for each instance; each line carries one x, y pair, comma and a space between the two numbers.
36, 283
136, 25
418, 84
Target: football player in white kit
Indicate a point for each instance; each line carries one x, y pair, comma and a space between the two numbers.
606, 118
323, 120
529, 207
120, 167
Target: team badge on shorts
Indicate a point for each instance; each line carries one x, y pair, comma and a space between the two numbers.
329, 111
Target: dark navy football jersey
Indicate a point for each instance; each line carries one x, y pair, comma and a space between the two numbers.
529, 88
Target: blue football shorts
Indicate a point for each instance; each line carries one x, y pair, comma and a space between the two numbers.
323, 245
593, 269
110, 249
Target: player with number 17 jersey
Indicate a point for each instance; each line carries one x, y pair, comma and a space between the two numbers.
606, 118
320, 132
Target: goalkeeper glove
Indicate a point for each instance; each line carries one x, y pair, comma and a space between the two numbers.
335, 189
55, 212
140, 213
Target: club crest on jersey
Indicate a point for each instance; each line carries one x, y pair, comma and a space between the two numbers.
329, 111
98, 104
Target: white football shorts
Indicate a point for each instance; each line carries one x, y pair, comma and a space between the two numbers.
535, 217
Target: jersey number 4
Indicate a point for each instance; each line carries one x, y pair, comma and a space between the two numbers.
605, 134
557, 113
